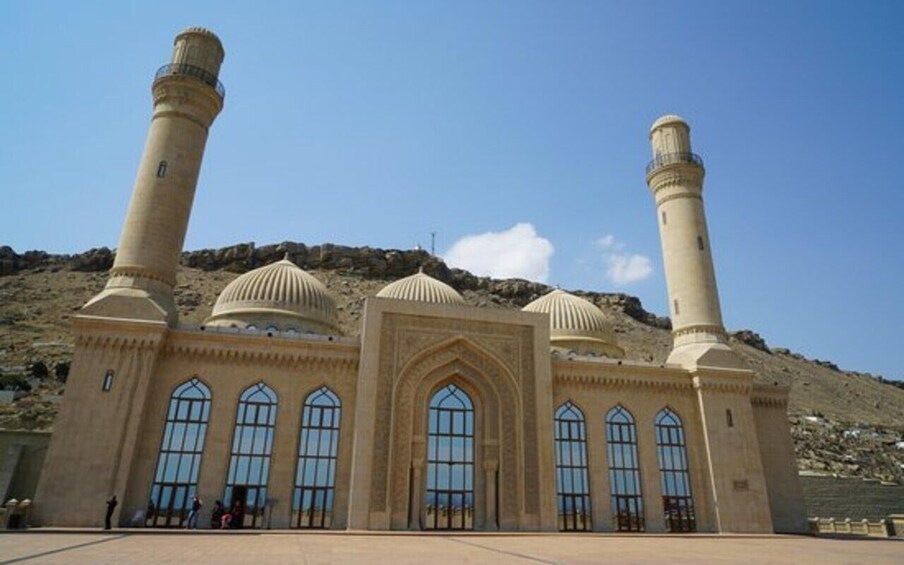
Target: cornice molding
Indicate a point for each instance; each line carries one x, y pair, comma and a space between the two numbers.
692, 195
100, 332
620, 377
700, 329
260, 349
140, 272
738, 382
178, 94
685, 175
772, 396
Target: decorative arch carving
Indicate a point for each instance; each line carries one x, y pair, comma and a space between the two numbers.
498, 410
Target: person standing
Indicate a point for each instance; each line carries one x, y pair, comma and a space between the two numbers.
196, 505
111, 506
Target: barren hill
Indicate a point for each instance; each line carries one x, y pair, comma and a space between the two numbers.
843, 422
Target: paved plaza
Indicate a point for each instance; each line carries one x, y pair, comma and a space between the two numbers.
123, 547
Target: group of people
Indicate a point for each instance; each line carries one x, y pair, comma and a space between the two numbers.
221, 518
224, 519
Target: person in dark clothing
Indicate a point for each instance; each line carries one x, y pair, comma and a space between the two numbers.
196, 505
111, 506
149, 514
238, 515
216, 516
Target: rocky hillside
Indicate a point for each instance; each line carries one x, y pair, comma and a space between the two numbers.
845, 422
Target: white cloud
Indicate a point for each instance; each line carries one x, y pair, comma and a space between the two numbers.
623, 268
608, 243
515, 253
627, 268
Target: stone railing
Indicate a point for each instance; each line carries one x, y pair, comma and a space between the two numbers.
887, 527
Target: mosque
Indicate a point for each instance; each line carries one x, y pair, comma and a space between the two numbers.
439, 416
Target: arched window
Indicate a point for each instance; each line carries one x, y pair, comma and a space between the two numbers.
624, 470
572, 485
249, 464
176, 476
318, 447
677, 502
450, 461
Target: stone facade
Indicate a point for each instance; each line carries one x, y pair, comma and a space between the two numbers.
441, 415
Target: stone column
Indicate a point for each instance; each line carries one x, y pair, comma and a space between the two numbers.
417, 493
491, 468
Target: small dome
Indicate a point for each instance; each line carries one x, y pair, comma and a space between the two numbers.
667, 120
278, 295
577, 324
421, 288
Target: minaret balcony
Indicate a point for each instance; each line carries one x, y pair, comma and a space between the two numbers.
672, 159
182, 69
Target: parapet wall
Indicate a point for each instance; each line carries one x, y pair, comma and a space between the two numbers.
853, 499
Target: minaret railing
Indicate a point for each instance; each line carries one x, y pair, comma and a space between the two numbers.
673, 158
182, 69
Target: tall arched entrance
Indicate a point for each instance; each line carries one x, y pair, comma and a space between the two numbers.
449, 502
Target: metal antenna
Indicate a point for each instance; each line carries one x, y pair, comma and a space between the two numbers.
433, 243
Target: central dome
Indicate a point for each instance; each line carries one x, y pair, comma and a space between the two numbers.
421, 288
278, 296
576, 324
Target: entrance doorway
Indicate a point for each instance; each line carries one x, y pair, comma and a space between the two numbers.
450, 461
238, 503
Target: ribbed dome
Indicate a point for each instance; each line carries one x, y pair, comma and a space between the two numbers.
279, 294
573, 319
421, 288
668, 119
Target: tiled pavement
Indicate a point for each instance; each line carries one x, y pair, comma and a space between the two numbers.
140, 546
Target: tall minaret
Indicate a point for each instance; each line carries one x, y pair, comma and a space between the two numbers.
675, 175
187, 98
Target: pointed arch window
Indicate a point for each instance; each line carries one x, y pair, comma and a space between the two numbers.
572, 484
318, 448
249, 463
624, 470
450, 461
176, 474
677, 501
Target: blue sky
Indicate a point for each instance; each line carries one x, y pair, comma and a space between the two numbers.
377, 123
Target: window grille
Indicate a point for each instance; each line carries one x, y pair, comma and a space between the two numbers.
677, 501
450, 461
176, 475
624, 471
572, 484
249, 464
318, 448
